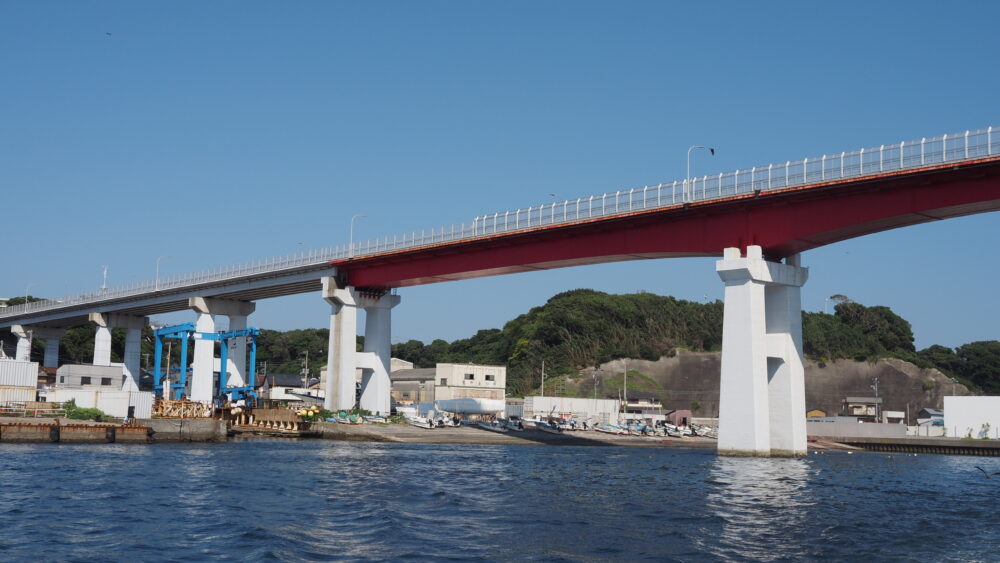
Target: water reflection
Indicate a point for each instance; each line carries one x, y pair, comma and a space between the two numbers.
758, 501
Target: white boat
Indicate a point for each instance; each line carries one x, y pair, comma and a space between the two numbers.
492, 426
510, 424
418, 421
610, 429
547, 427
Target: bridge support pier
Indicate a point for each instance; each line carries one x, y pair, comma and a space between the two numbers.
23, 334
203, 367
342, 358
375, 384
52, 337
762, 391
133, 344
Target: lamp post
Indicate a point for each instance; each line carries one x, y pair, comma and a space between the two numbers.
156, 283
26, 288
711, 151
351, 247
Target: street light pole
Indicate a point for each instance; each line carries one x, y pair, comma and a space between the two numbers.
26, 288
350, 252
156, 284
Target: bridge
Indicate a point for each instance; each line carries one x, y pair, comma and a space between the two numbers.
758, 220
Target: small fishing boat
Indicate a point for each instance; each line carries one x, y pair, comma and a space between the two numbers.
418, 421
512, 425
548, 427
492, 426
611, 429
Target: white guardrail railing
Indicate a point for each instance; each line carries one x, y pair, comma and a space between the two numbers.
908, 155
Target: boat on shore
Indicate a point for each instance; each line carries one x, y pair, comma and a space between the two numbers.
492, 426
512, 425
419, 421
548, 427
611, 429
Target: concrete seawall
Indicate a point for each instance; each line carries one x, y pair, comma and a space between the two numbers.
186, 429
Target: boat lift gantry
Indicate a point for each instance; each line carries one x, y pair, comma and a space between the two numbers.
185, 332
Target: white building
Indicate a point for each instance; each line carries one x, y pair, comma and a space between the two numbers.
975, 417
448, 381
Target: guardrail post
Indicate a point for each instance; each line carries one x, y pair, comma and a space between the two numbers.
861, 165
769, 176
944, 148
902, 145
805, 169
822, 168
922, 140
753, 171
989, 140
880, 151
720, 184
788, 164
966, 143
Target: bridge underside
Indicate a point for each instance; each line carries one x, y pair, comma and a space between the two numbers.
783, 223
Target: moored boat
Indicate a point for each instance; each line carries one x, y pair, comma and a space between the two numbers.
491, 425
418, 421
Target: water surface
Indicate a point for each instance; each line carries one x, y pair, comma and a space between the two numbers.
273, 500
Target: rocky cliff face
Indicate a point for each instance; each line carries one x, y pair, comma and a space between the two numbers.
691, 379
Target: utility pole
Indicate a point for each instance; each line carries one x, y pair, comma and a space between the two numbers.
875, 387
305, 371
543, 378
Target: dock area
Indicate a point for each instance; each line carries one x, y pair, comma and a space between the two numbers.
924, 445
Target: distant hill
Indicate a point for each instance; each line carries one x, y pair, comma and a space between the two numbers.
583, 328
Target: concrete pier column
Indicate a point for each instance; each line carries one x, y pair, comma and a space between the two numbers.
102, 346
237, 358
133, 344
23, 334
762, 400
133, 358
341, 364
203, 370
52, 337
375, 386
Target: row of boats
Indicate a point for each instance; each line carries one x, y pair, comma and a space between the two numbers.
554, 426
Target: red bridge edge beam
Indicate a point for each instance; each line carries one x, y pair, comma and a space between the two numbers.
783, 222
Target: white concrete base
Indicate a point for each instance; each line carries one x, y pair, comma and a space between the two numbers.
202, 364
342, 358
23, 334
762, 395
133, 343
339, 387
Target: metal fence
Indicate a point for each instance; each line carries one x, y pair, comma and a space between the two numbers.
907, 155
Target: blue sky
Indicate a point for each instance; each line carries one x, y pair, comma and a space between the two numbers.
221, 132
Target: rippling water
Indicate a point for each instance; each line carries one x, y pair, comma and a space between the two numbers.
321, 501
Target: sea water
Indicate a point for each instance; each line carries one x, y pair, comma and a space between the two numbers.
274, 500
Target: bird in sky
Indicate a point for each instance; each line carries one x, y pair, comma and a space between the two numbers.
985, 474
108, 33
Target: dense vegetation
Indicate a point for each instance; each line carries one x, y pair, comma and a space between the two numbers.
583, 328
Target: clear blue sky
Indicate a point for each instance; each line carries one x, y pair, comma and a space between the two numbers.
221, 132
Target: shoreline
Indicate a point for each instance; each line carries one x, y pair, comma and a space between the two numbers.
404, 433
